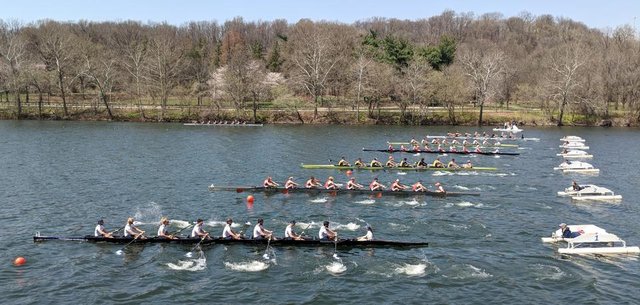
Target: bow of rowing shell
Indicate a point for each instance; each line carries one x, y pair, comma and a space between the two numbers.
221, 241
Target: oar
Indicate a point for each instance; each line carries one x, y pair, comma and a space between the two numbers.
244, 227
119, 252
118, 230
266, 251
335, 247
302, 233
190, 253
180, 231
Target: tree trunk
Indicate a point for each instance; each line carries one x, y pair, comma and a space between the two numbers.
40, 104
315, 106
103, 97
64, 98
18, 103
481, 110
564, 102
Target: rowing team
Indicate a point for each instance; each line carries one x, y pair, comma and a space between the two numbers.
454, 141
416, 148
259, 232
476, 134
391, 162
330, 184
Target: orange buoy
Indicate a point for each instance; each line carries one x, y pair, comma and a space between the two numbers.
250, 199
19, 261
349, 172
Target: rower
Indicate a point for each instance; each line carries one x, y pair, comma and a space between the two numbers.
359, 163
325, 233
343, 162
390, 162
453, 164
454, 142
453, 149
229, 233
376, 186
198, 231
416, 148
290, 234
465, 142
100, 230
427, 148
444, 141
390, 148
290, 184
437, 163
418, 187
478, 150
269, 183
353, 185
131, 230
421, 163
368, 236
404, 163
413, 142
396, 186
330, 184
162, 230
375, 163
475, 142
424, 141
465, 150
439, 188
440, 149
565, 150
259, 232
468, 164
435, 141
312, 183
402, 148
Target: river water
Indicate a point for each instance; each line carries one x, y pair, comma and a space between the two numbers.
59, 178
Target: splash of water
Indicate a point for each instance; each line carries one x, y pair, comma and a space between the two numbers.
336, 268
253, 266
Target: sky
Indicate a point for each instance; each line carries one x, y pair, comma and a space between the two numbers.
607, 14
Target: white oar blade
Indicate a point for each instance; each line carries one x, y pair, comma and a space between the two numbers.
265, 256
119, 252
335, 256
189, 254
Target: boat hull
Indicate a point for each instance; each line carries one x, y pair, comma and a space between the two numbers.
223, 125
600, 250
256, 189
444, 152
449, 169
250, 242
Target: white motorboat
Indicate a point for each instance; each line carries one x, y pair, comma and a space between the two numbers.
591, 240
590, 192
513, 129
577, 167
574, 145
572, 139
575, 154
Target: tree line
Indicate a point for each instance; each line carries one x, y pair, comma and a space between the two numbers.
419, 69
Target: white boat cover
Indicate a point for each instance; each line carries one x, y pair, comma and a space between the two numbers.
572, 139
572, 165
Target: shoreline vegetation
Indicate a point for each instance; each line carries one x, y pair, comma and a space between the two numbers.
450, 69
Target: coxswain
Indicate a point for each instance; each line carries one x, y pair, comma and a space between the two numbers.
359, 163
229, 233
100, 231
325, 233
330, 184
163, 229
453, 164
368, 236
198, 231
468, 164
269, 183
418, 187
396, 186
376, 185
259, 232
343, 162
353, 185
421, 163
290, 234
437, 163
404, 163
439, 188
375, 163
131, 230
312, 183
390, 162
290, 184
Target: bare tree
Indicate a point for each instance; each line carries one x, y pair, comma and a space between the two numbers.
563, 76
99, 67
132, 45
13, 54
484, 67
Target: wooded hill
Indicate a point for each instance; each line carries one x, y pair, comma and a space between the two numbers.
442, 69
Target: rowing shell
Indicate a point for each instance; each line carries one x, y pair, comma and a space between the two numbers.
444, 152
222, 241
316, 191
422, 168
224, 125
460, 145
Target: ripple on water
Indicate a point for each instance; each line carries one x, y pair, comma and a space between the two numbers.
253, 266
189, 265
544, 272
336, 268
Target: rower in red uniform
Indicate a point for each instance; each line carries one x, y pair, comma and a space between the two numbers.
453, 149
269, 183
290, 184
353, 185
376, 186
312, 183
418, 187
390, 148
465, 150
478, 150
396, 186
330, 185
439, 188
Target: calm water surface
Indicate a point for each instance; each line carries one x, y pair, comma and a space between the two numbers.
59, 178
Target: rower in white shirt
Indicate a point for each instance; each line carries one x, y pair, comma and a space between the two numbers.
290, 234
368, 236
259, 232
100, 231
198, 231
163, 229
228, 233
325, 233
131, 230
